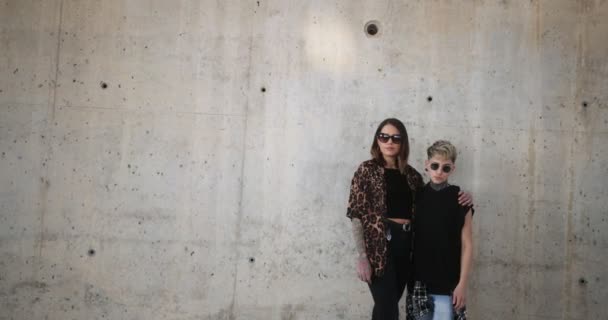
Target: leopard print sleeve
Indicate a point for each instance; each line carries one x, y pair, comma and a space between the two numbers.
358, 195
367, 202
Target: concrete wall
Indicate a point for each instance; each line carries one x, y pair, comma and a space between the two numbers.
191, 159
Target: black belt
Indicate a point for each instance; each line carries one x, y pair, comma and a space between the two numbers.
406, 227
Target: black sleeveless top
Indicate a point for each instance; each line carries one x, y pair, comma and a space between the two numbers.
438, 228
398, 195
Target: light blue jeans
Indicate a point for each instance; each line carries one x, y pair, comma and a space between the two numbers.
442, 307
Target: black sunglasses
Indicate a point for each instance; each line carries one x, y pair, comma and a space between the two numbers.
446, 168
383, 137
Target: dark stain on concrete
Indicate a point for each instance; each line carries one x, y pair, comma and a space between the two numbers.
223, 314
94, 296
289, 311
47, 184
582, 281
36, 285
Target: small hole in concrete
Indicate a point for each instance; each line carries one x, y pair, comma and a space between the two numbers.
91, 252
585, 104
252, 260
429, 99
263, 89
104, 85
582, 281
372, 28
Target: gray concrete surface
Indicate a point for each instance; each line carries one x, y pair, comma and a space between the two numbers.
191, 159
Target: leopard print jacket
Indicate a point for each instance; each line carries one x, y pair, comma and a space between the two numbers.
367, 202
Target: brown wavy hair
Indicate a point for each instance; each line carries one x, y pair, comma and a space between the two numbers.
404, 150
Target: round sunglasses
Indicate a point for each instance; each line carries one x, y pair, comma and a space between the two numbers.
445, 168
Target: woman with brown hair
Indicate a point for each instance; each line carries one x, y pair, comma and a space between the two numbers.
381, 207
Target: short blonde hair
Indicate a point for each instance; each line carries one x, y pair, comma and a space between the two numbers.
442, 148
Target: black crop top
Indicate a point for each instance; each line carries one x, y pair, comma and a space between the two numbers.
398, 195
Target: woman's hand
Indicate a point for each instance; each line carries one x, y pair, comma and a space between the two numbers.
465, 199
458, 297
364, 270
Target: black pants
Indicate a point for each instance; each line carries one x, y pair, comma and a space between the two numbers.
388, 289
